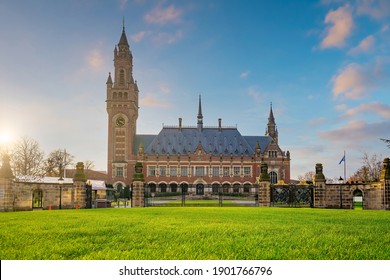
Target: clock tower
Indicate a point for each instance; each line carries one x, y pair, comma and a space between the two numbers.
122, 109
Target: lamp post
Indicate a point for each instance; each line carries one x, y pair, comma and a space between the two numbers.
60, 182
341, 180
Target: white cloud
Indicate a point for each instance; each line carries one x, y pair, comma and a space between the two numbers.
140, 36
377, 9
168, 38
374, 107
341, 107
164, 88
365, 45
163, 16
341, 25
95, 59
122, 4
245, 74
152, 102
317, 121
357, 131
353, 81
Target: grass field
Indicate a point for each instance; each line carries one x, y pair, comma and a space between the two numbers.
197, 233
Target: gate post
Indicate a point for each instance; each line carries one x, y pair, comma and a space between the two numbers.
385, 183
319, 187
138, 190
264, 195
6, 186
79, 180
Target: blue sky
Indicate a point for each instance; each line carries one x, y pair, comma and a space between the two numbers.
324, 65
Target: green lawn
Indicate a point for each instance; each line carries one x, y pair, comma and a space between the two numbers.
195, 233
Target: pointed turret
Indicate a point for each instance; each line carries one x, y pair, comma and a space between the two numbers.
271, 126
109, 80
123, 40
200, 116
271, 118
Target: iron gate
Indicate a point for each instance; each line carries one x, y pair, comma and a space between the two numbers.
292, 196
200, 195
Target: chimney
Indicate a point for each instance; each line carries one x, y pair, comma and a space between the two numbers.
180, 124
219, 124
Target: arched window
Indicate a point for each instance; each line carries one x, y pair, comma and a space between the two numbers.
215, 188
122, 77
163, 187
152, 188
184, 187
173, 187
273, 177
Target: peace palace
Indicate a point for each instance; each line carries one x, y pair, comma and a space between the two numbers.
198, 158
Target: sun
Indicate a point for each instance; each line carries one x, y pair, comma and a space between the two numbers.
6, 137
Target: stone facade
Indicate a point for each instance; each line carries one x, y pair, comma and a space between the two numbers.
178, 154
375, 194
19, 196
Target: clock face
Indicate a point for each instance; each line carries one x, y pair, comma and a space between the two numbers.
120, 121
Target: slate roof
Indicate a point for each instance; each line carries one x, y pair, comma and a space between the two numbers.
217, 141
123, 39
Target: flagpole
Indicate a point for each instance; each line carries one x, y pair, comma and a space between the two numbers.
345, 168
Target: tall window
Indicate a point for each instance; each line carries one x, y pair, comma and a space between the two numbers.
215, 171
247, 171
184, 171
119, 171
122, 77
226, 171
152, 170
273, 177
173, 171
272, 154
236, 171
199, 171
163, 171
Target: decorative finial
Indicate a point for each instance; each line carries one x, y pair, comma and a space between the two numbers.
123, 23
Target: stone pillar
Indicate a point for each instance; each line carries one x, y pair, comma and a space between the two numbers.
319, 187
79, 179
6, 186
385, 183
138, 187
264, 187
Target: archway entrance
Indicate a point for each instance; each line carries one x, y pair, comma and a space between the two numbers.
358, 199
37, 199
200, 189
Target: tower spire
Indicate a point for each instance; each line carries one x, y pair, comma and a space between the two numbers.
123, 40
200, 116
271, 126
271, 119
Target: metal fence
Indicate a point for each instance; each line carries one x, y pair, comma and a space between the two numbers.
202, 195
292, 196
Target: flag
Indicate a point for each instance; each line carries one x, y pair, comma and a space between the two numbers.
343, 159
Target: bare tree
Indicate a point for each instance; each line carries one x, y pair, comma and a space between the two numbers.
27, 159
387, 141
307, 177
371, 169
89, 165
57, 161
